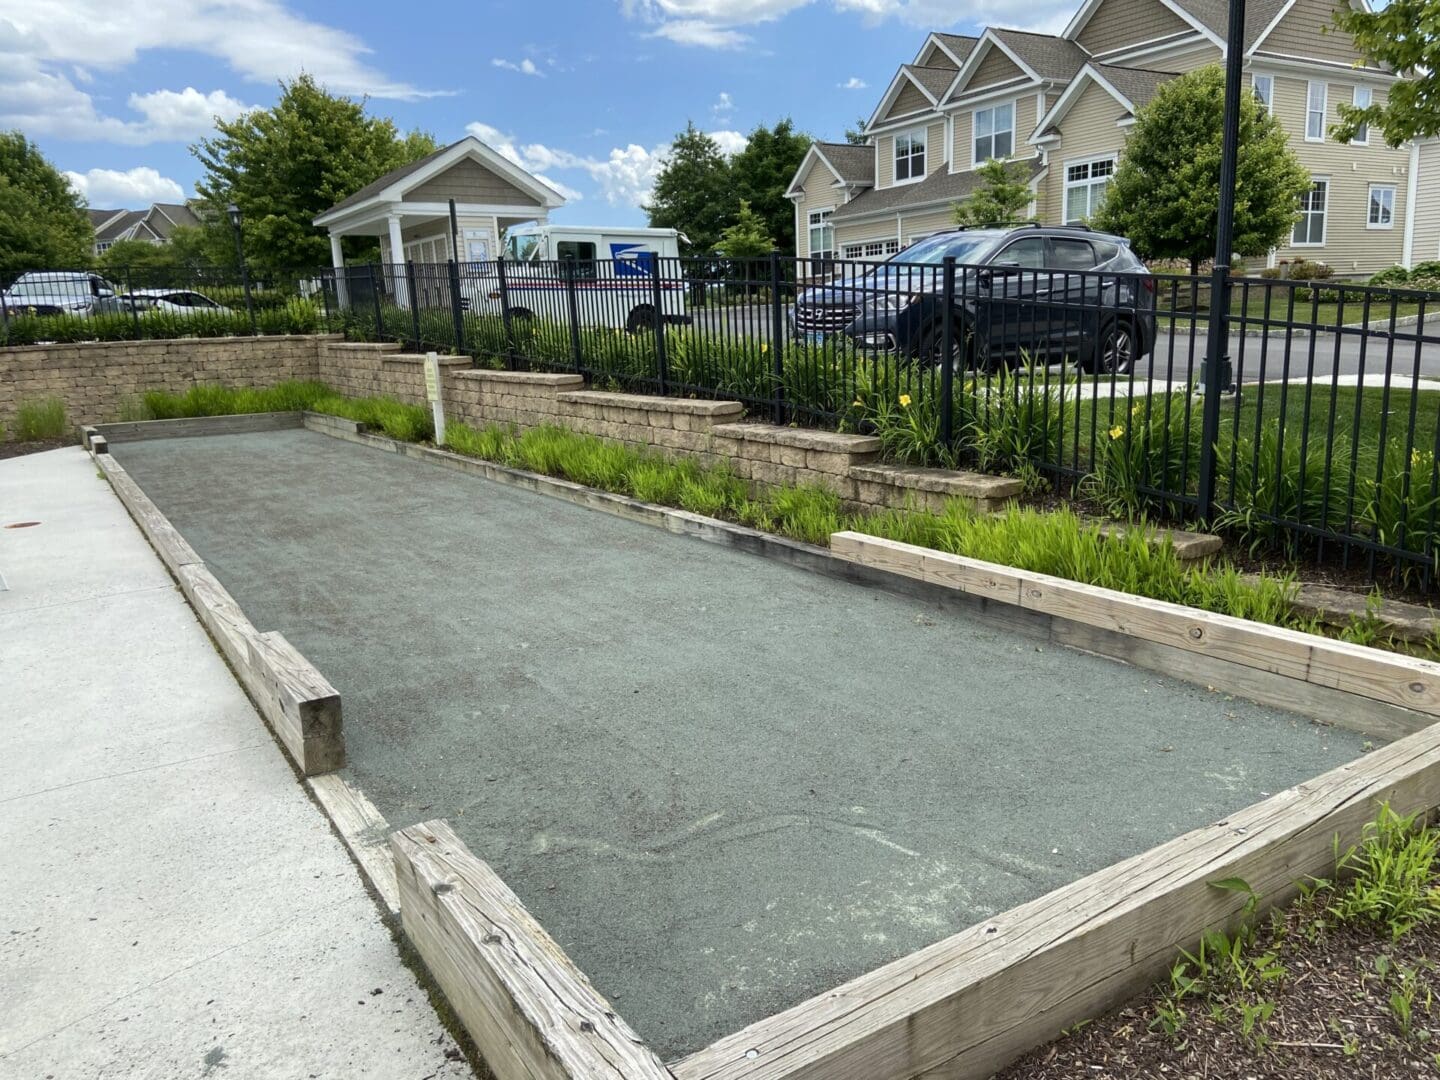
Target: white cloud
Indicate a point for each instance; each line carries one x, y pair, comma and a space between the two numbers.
853, 83
48, 51
700, 33
724, 105
624, 177
524, 67
134, 188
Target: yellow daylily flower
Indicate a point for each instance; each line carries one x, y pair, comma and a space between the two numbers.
764, 346
904, 401
1117, 431
858, 403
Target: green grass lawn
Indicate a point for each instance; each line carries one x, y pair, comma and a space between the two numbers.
1370, 405
1307, 313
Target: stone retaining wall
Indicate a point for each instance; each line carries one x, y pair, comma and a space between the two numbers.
96, 380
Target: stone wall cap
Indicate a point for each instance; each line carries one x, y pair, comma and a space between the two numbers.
534, 378
833, 442
940, 481
653, 403
446, 360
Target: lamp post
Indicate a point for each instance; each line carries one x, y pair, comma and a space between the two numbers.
235, 218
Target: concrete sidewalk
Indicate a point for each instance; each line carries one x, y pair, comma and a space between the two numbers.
171, 902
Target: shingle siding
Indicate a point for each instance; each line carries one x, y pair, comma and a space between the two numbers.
1086, 131
909, 100
819, 194
1427, 209
1118, 24
994, 69
469, 181
1298, 34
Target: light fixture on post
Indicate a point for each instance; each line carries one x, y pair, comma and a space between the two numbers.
233, 212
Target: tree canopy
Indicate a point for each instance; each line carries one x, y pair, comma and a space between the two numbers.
700, 190
43, 224
1004, 196
1165, 193
761, 173
285, 165
747, 237
1403, 36
188, 248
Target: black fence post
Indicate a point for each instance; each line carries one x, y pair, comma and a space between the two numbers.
574, 309
134, 306
4, 317
456, 310
662, 367
375, 299
1214, 380
510, 362
947, 348
413, 298
777, 340
325, 293
249, 304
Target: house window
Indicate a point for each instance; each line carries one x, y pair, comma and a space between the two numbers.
910, 156
1310, 229
1361, 100
102, 247
1382, 207
873, 249
994, 132
822, 236
1315, 112
1085, 184
1264, 87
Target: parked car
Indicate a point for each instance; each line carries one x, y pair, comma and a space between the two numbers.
175, 301
1022, 293
58, 292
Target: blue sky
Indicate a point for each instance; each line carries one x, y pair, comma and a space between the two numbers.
587, 94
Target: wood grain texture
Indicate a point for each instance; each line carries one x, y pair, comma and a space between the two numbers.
239, 423
966, 1006
364, 831
532, 1013
1391, 678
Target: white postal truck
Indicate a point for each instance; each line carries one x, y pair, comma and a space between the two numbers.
611, 271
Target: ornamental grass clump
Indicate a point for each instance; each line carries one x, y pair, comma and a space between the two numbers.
40, 419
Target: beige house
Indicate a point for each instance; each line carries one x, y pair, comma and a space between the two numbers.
1063, 103
409, 209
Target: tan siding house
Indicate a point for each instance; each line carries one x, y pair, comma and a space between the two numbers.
1063, 103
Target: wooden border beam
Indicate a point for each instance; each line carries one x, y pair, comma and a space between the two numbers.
532, 1013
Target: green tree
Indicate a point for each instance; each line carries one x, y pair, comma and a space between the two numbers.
285, 165
42, 219
761, 173
189, 248
1165, 193
747, 237
1403, 36
856, 136
1005, 196
692, 192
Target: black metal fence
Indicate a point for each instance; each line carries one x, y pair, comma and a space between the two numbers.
1325, 438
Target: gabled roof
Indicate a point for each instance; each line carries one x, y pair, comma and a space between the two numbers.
941, 187
165, 218
1131, 88
934, 80
100, 217
908, 75
393, 185
122, 226
958, 46
852, 164
1042, 57
1203, 15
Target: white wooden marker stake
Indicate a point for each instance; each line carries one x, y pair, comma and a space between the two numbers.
432, 395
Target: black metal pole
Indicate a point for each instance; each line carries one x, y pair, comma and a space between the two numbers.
4, 317
244, 279
574, 309
454, 233
947, 347
456, 311
414, 301
134, 305
661, 366
1215, 377
505, 315
777, 340
375, 296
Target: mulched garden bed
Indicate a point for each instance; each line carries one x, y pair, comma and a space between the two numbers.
1337, 1013
34, 446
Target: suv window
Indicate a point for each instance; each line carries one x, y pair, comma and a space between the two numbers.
1067, 254
1028, 252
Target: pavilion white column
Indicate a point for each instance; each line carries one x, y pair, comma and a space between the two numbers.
397, 258
342, 285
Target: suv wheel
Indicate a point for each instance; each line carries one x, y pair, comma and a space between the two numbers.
1115, 349
929, 355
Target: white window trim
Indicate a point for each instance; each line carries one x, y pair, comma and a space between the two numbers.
1066, 183
1369, 193
1354, 91
1269, 105
1325, 218
819, 219
923, 133
1014, 120
1324, 108
888, 246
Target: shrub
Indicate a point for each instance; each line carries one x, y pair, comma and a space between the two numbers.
1430, 268
1309, 270
1391, 275
40, 419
